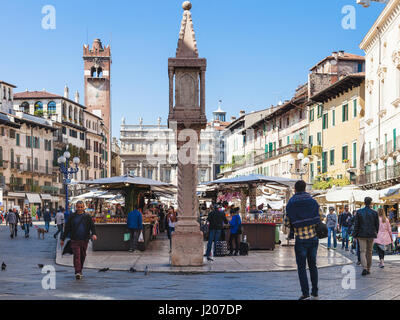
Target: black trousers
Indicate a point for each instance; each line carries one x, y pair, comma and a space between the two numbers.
381, 253
236, 238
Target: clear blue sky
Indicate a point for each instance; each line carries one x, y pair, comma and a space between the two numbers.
258, 51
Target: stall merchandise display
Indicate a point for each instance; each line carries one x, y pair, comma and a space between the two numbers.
109, 220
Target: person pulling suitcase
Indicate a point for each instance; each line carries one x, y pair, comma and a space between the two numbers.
216, 219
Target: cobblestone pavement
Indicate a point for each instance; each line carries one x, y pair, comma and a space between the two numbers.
22, 279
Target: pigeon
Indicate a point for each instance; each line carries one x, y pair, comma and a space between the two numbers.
40, 265
3, 266
104, 269
132, 270
146, 271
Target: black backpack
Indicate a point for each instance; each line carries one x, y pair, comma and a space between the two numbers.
322, 230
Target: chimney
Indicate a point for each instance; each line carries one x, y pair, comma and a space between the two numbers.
242, 113
335, 54
77, 96
341, 53
66, 92
233, 118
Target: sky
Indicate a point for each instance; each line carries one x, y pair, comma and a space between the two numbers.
258, 51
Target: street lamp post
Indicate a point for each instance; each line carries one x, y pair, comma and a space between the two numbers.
304, 165
67, 171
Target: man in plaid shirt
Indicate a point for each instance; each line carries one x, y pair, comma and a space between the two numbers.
303, 216
26, 221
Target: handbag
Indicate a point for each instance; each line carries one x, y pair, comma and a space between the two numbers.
127, 236
322, 230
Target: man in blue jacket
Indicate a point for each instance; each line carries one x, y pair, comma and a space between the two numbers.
135, 226
303, 215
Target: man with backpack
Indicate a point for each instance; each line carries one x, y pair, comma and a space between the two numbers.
303, 216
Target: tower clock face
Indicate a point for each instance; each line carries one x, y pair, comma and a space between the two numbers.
99, 85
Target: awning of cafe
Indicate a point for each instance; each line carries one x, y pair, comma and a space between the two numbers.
390, 194
33, 198
46, 197
254, 179
16, 195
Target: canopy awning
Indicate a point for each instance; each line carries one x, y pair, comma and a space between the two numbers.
391, 193
254, 179
33, 198
16, 195
351, 194
46, 196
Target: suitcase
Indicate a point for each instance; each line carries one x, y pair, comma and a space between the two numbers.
244, 249
221, 248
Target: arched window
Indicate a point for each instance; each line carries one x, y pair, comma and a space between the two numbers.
12, 179
38, 106
75, 114
9, 94
99, 72
4, 93
93, 72
51, 107
64, 110
81, 117
70, 112
24, 107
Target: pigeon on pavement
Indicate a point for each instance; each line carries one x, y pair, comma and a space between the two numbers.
132, 270
104, 269
3, 266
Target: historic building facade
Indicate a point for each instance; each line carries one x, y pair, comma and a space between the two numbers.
382, 117
336, 126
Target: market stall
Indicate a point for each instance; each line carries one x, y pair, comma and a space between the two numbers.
261, 232
112, 227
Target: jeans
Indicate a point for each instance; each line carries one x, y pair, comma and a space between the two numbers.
60, 228
345, 237
306, 252
134, 238
214, 236
12, 229
332, 231
235, 237
26, 226
47, 225
170, 230
79, 248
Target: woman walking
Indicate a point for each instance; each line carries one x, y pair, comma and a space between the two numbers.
384, 236
331, 223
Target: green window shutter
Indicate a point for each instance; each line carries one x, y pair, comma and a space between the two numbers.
288, 140
355, 108
394, 140
345, 113
355, 155
332, 157
319, 140
324, 162
344, 153
18, 139
325, 121
333, 118
310, 140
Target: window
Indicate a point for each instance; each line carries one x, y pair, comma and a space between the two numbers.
47, 166
28, 141
38, 107
24, 107
332, 157
312, 115
18, 139
301, 114
394, 140
355, 108
325, 121
333, 117
345, 113
64, 130
51, 107
310, 141
36, 164
345, 153
82, 135
354, 154
12, 159
324, 162
320, 110
12, 133
319, 139
360, 67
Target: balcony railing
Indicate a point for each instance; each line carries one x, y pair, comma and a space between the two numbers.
24, 167
389, 172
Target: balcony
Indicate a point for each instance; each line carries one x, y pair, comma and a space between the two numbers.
316, 151
50, 190
25, 168
380, 176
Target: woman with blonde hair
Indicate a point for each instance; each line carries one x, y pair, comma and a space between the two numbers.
384, 236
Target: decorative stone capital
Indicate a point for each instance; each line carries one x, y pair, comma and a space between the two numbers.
382, 70
369, 85
396, 58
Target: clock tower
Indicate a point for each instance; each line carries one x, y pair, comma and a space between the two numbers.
97, 73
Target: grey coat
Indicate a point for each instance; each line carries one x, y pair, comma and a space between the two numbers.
11, 218
331, 220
